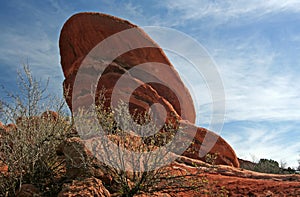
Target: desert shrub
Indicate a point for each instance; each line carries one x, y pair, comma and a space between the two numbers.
29, 150
268, 166
211, 158
134, 173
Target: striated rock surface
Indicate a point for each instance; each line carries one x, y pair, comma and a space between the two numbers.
80, 163
77, 158
217, 146
86, 187
238, 182
83, 31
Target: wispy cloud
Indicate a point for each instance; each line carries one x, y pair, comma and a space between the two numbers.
265, 140
32, 40
227, 10
258, 85
258, 62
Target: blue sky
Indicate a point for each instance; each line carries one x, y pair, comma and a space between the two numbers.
255, 45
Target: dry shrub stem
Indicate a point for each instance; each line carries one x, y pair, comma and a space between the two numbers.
133, 173
29, 149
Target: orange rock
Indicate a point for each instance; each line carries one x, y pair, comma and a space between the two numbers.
238, 182
216, 145
83, 31
86, 187
11, 127
3, 168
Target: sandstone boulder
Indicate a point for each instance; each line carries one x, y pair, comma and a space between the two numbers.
83, 31
214, 146
82, 60
80, 162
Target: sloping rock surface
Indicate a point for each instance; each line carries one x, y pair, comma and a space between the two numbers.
84, 31
238, 182
218, 148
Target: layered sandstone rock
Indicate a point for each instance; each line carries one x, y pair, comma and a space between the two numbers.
238, 182
207, 142
83, 31
123, 77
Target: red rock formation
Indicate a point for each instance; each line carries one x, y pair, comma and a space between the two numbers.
239, 182
216, 145
83, 31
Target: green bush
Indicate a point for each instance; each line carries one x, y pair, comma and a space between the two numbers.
267, 166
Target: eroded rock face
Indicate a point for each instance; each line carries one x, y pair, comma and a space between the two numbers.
80, 162
219, 150
123, 79
86, 187
83, 31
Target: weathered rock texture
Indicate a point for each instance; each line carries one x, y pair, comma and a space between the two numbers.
239, 182
84, 31
86, 187
218, 147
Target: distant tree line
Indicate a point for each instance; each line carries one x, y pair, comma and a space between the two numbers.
269, 166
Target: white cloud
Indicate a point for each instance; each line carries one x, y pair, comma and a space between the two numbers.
257, 86
264, 140
40, 52
225, 10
